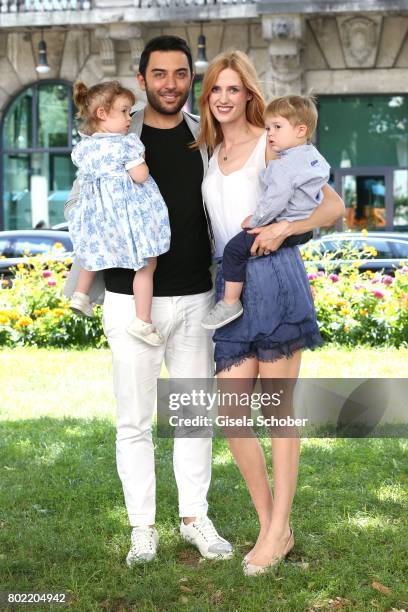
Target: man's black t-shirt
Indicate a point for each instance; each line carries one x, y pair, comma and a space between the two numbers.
178, 172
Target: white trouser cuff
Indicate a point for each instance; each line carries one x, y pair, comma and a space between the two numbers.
190, 511
141, 520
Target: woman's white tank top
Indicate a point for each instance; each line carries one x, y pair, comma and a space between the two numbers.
230, 198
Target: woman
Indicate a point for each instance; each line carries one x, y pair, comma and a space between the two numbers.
279, 318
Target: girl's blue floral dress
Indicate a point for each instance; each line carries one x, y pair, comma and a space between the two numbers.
117, 223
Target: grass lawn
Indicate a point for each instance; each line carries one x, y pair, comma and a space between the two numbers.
63, 525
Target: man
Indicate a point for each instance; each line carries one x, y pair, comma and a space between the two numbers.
182, 297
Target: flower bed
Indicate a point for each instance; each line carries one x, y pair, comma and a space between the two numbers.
33, 310
360, 308
352, 308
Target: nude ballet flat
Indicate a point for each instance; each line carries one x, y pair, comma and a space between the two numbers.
254, 570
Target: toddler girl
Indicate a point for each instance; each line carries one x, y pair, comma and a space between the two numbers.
121, 219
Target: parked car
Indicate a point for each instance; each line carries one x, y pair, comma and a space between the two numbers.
388, 250
14, 246
62, 227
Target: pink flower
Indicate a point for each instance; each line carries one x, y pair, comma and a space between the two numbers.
312, 275
378, 294
387, 280
320, 273
358, 286
334, 278
52, 282
47, 273
404, 269
375, 280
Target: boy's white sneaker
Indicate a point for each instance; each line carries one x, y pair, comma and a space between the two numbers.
145, 332
81, 304
202, 534
145, 541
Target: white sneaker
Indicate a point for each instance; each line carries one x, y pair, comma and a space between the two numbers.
145, 541
80, 304
202, 534
146, 332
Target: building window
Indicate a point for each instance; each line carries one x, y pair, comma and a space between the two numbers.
364, 130
36, 172
365, 140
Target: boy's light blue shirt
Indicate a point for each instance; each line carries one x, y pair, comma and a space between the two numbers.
292, 186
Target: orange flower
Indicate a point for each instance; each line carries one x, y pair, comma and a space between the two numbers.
24, 322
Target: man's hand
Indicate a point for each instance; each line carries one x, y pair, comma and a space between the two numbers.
246, 222
270, 237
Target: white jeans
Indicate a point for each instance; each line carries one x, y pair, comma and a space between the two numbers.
187, 353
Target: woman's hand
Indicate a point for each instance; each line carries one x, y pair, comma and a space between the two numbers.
270, 237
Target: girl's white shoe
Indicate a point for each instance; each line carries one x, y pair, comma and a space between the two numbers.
81, 304
145, 332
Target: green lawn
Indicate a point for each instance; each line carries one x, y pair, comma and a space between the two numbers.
63, 525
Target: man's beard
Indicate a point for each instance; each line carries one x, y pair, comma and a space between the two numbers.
156, 103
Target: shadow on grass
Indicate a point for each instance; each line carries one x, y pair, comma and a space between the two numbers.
63, 524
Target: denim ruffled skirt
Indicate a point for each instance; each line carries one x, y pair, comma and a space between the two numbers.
279, 316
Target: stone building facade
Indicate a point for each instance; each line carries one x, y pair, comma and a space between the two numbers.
352, 55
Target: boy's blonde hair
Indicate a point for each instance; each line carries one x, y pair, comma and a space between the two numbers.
298, 110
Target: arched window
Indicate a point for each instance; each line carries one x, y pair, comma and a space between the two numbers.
36, 172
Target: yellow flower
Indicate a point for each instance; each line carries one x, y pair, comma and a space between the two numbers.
59, 312
356, 264
363, 311
364, 232
3, 257
13, 315
59, 245
4, 319
37, 312
68, 261
370, 273
45, 310
20, 266
345, 311
346, 328
24, 322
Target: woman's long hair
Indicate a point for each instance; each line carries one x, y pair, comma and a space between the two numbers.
210, 129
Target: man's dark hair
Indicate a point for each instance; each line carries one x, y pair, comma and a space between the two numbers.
164, 43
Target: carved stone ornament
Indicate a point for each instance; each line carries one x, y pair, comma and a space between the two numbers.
360, 39
283, 27
285, 36
106, 36
106, 51
136, 48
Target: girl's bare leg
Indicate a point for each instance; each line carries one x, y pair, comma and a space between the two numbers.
85, 280
143, 290
285, 461
247, 451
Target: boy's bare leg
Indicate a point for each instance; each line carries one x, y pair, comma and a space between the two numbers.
232, 292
